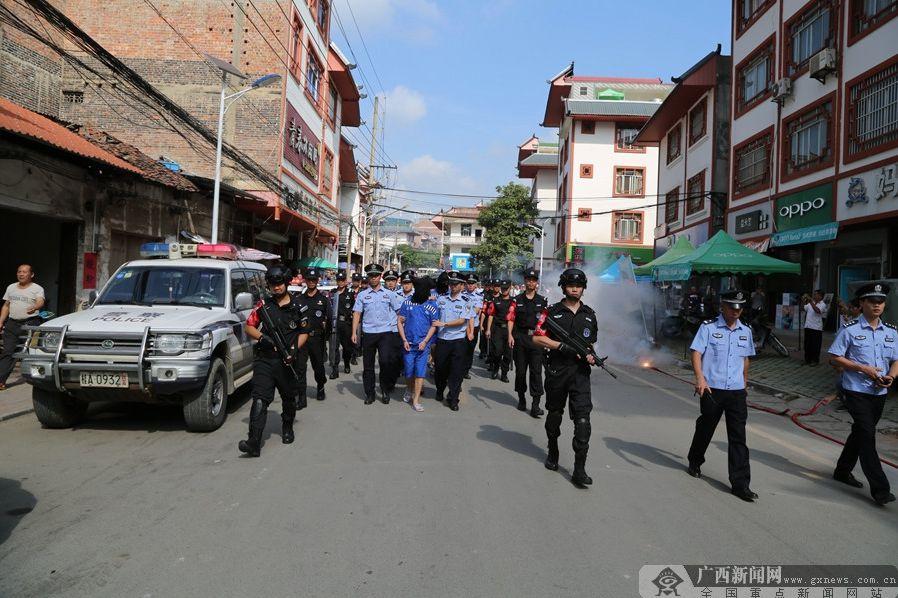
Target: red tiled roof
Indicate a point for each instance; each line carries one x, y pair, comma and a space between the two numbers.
21, 121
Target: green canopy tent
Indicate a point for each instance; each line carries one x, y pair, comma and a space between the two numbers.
679, 249
315, 262
722, 254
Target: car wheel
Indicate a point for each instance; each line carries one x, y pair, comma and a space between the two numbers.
206, 409
55, 409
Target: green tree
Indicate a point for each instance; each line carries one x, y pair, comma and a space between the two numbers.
417, 258
507, 246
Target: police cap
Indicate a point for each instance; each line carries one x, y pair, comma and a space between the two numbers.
356, 277
472, 278
735, 299
407, 276
531, 273
505, 283
454, 276
374, 270
873, 290
341, 275
278, 274
312, 274
391, 275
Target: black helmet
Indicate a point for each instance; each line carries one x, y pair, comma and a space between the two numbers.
531, 273
278, 274
341, 275
572, 276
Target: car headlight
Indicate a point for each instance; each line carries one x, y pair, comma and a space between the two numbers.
170, 343
49, 341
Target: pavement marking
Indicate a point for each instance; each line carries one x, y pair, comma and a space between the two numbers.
749, 427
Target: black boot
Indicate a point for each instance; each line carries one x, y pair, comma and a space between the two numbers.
495, 374
535, 411
346, 369
552, 456
504, 377
334, 373
354, 360
258, 413
580, 478
580, 444
287, 435
321, 396
522, 402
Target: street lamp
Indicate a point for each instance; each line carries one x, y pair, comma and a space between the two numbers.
542, 236
228, 68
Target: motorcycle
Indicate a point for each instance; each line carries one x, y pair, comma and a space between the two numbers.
763, 334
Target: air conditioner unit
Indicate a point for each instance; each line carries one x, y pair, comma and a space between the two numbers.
822, 64
782, 89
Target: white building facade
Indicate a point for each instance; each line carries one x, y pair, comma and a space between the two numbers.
607, 186
538, 162
461, 232
815, 136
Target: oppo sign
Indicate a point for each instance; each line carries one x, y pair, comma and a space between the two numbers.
801, 208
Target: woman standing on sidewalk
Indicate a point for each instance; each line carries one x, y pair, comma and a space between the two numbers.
416, 329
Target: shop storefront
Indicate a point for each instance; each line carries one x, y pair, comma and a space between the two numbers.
751, 226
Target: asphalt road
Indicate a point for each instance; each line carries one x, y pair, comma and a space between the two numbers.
381, 501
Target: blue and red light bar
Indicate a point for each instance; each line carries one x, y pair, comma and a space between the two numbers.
177, 250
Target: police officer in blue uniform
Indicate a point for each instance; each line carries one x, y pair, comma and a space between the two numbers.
866, 350
720, 352
474, 295
391, 277
406, 284
375, 313
451, 351
526, 307
320, 321
567, 373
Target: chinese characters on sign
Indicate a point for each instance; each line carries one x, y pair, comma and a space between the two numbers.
869, 193
301, 146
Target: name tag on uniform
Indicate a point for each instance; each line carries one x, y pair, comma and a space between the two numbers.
890, 339
743, 338
717, 335
588, 319
556, 316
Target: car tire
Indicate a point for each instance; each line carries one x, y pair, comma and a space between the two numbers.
207, 409
55, 409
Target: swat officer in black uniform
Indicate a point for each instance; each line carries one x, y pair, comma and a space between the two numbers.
497, 330
356, 288
320, 319
567, 373
488, 296
525, 309
344, 299
288, 315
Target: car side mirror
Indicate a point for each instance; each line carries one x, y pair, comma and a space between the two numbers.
243, 301
91, 298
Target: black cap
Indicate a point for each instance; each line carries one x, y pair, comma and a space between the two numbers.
356, 277
735, 299
391, 274
873, 290
407, 276
311, 274
472, 278
531, 273
374, 269
341, 275
454, 276
504, 283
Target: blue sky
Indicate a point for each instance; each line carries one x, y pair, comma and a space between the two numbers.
465, 80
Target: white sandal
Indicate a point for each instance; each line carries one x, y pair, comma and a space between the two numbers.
419, 407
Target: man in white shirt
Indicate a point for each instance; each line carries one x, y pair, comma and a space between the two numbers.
21, 304
815, 311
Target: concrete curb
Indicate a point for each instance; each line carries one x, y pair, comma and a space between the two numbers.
12, 414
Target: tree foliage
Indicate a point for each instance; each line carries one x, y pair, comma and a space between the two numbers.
507, 245
418, 258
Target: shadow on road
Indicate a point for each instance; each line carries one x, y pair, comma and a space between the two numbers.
645, 452
496, 396
513, 441
15, 503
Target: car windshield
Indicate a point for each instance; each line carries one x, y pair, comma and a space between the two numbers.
166, 286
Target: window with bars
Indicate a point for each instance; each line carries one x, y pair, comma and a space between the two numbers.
752, 164
584, 214
808, 139
867, 15
698, 118
333, 98
755, 77
586, 171
313, 76
73, 97
672, 205
588, 127
749, 11
873, 112
296, 46
466, 230
322, 15
807, 34
627, 226
674, 143
624, 134
629, 182
695, 194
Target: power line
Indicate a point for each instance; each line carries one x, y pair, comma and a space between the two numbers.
365, 46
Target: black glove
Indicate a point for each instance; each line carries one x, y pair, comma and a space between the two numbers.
266, 344
567, 350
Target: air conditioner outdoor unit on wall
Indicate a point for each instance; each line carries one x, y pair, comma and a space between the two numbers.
782, 89
822, 63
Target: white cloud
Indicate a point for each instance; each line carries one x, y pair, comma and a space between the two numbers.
405, 106
409, 19
427, 173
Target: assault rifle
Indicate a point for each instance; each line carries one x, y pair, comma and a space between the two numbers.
277, 338
333, 341
579, 345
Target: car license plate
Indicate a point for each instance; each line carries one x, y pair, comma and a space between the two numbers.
104, 379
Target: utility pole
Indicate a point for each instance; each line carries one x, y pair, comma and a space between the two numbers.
371, 181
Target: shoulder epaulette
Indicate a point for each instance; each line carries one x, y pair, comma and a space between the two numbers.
711, 321
892, 326
853, 322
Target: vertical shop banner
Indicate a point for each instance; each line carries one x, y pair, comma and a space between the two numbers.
301, 147
89, 278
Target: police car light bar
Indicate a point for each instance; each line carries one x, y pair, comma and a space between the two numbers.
178, 250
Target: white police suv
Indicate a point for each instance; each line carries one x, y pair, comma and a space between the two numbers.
166, 329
